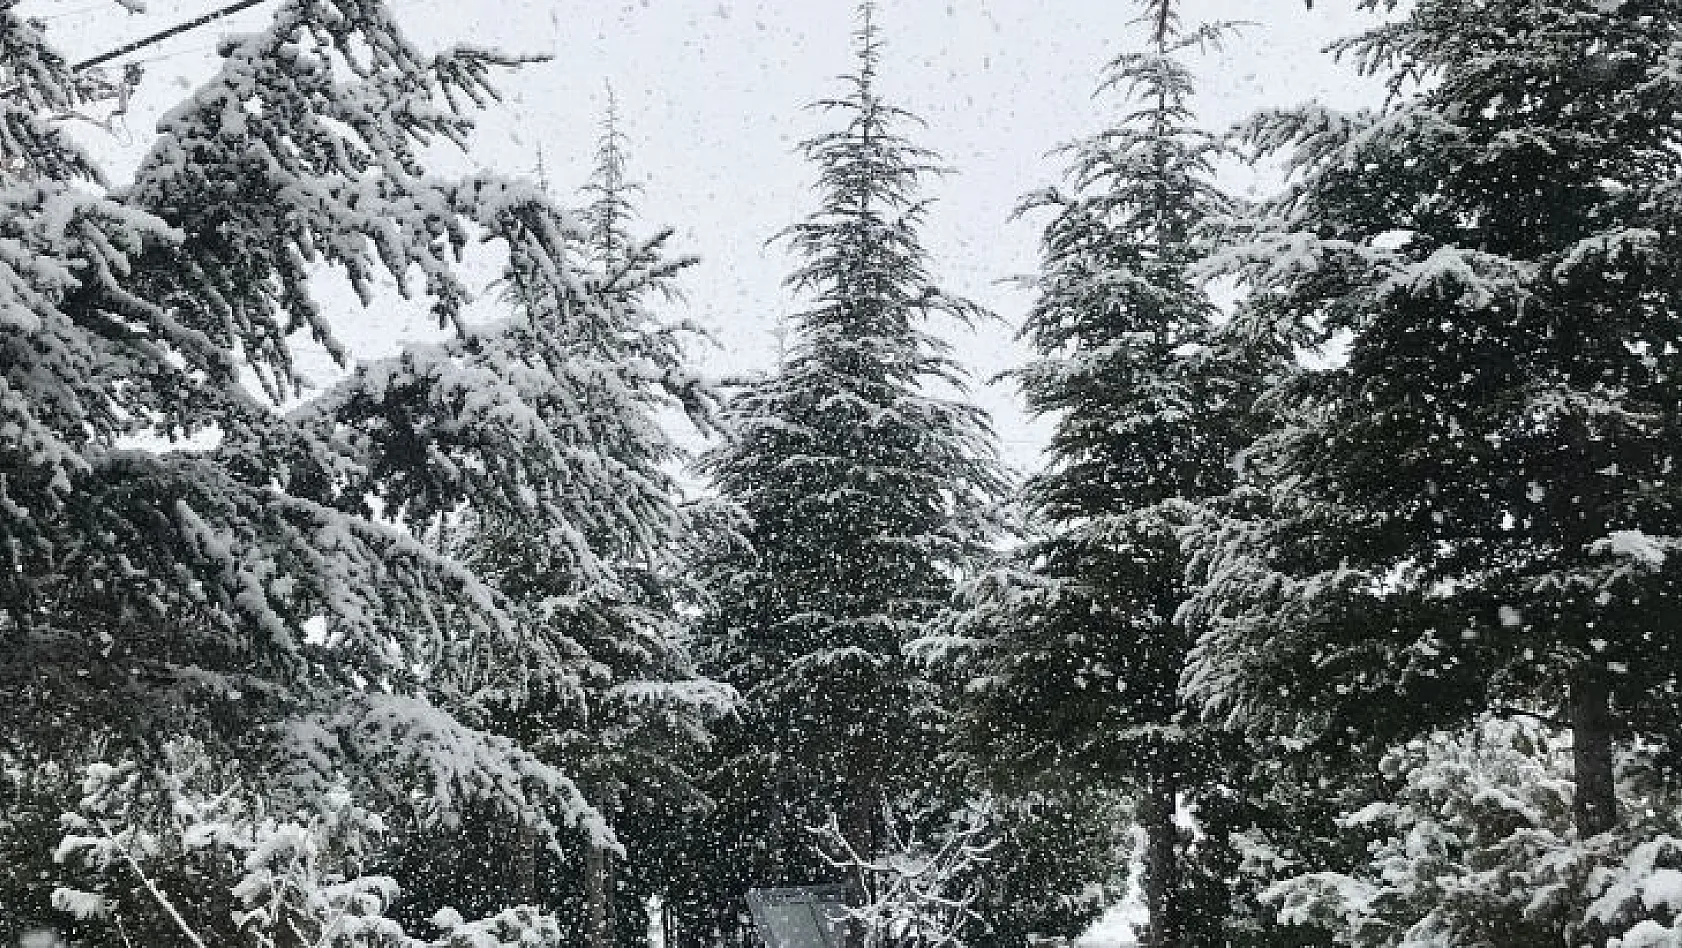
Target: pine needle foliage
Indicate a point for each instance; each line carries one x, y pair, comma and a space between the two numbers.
1475, 510
866, 479
1071, 645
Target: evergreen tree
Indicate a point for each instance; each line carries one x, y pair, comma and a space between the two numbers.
1475, 509
182, 557
1073, 644
610, 694
864, 495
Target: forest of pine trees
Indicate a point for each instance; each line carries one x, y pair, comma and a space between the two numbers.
1337, 610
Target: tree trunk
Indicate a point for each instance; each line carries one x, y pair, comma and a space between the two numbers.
525, 863
600, 889
610, 878
1596, 804
289, 928
598, 893
784, 851
1161, 864
859, 821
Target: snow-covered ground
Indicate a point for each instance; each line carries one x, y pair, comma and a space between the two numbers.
1115, 929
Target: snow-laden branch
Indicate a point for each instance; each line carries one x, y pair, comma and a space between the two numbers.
915, 892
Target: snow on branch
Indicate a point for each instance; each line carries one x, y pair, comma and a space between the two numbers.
916, 891
404, 749
291, 879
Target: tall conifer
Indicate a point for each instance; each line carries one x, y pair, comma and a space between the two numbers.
1073, 645
183, 563
595, 595
865, 492
1476, 509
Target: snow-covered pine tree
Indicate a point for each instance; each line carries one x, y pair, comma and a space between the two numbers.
1073, 644
181, 557
1467, 837
866, 494
156, 581
611, 190
594, 593
1476, 507
646, 776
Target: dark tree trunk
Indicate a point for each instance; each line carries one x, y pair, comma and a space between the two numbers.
526, 843
1161, 864
1596, 807
289, 930
598, 894
599, 889
859, 826
786, 837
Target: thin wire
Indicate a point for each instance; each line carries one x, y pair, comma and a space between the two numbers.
76, 12
142, 43
161, 35
170, 55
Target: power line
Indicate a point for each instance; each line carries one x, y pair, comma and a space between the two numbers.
172, 54
161, 35
78, 11
144, 41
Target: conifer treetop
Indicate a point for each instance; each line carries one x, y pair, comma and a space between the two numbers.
1121, 308
865, 275
610, 188
861, 258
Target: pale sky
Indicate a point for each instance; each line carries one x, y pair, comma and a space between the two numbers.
713, 96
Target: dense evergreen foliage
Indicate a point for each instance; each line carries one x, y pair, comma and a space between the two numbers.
1073, 643
1339, 614
1474, 509
1471, 508
864, 494
273, 599
601, 596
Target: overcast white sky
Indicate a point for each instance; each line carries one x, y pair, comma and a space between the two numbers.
713, 94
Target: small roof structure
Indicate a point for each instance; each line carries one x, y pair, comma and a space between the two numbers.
811, 916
